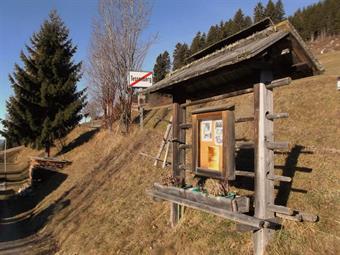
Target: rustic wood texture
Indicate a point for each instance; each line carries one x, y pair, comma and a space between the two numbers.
229, 144
241, 202
178, 158
264, 161
274, 116
273, 84
167, 148
233, 216
244, 119
230, 55
216, 108
164, 142
280, 209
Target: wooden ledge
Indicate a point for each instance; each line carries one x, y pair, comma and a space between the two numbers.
228, 208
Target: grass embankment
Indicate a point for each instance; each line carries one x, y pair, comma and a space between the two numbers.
101, 206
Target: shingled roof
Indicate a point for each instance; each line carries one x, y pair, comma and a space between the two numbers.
234, 63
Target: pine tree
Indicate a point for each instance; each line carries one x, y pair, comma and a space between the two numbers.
196, 44
259, 12
240, 21
248, 21
162, 66
271, 11
180, 55
46, 104
228, 28
279, 11
213, 35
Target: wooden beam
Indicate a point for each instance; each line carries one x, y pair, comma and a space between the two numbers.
164, 142
233, 216
229, 144
185, 125
238, 204
277, 145
275, 116
264, 160
288, 217
280, 209
273, 84
279, 178
244, 119
244, 173
215, 108
309, 217
244, 145
167, 148
185, 146
178, 156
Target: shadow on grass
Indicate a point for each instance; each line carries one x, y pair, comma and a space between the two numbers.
289, 169
136, 120
18, 218
245, 162
80, 140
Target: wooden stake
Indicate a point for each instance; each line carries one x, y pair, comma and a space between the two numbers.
178, 157
264, 161
165, 140
166, 152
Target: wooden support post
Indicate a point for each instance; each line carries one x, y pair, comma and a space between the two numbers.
264, 160
164, 142
166, 152
178, 157
141, 117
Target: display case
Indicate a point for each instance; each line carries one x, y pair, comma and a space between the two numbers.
214, 142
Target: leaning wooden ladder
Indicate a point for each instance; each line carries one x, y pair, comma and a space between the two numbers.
165, 145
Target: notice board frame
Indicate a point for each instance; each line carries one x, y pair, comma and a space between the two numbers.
226, 114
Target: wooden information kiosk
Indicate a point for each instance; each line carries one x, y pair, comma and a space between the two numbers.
255, 60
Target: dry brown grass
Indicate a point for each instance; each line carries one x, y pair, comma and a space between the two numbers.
109, 212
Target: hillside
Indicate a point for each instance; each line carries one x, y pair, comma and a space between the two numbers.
98, 204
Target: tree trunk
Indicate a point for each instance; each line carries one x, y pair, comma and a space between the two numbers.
47, 150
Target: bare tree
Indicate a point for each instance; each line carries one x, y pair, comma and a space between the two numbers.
117, 48
93, 109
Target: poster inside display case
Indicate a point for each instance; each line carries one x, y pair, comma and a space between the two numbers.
214, 143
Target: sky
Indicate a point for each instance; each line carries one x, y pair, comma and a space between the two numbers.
172, 20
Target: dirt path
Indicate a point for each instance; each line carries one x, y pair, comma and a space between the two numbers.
21, 222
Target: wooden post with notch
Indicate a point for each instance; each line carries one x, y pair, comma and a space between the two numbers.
178, 157
264, 161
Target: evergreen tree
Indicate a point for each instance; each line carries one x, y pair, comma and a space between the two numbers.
271, 11
228, 28
279, 11
180, 55
248, 21
259, 12
320, 19
197, 43
46, 104
240, 21
213, 35
162, 66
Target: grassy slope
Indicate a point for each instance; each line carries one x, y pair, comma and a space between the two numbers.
109, 213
